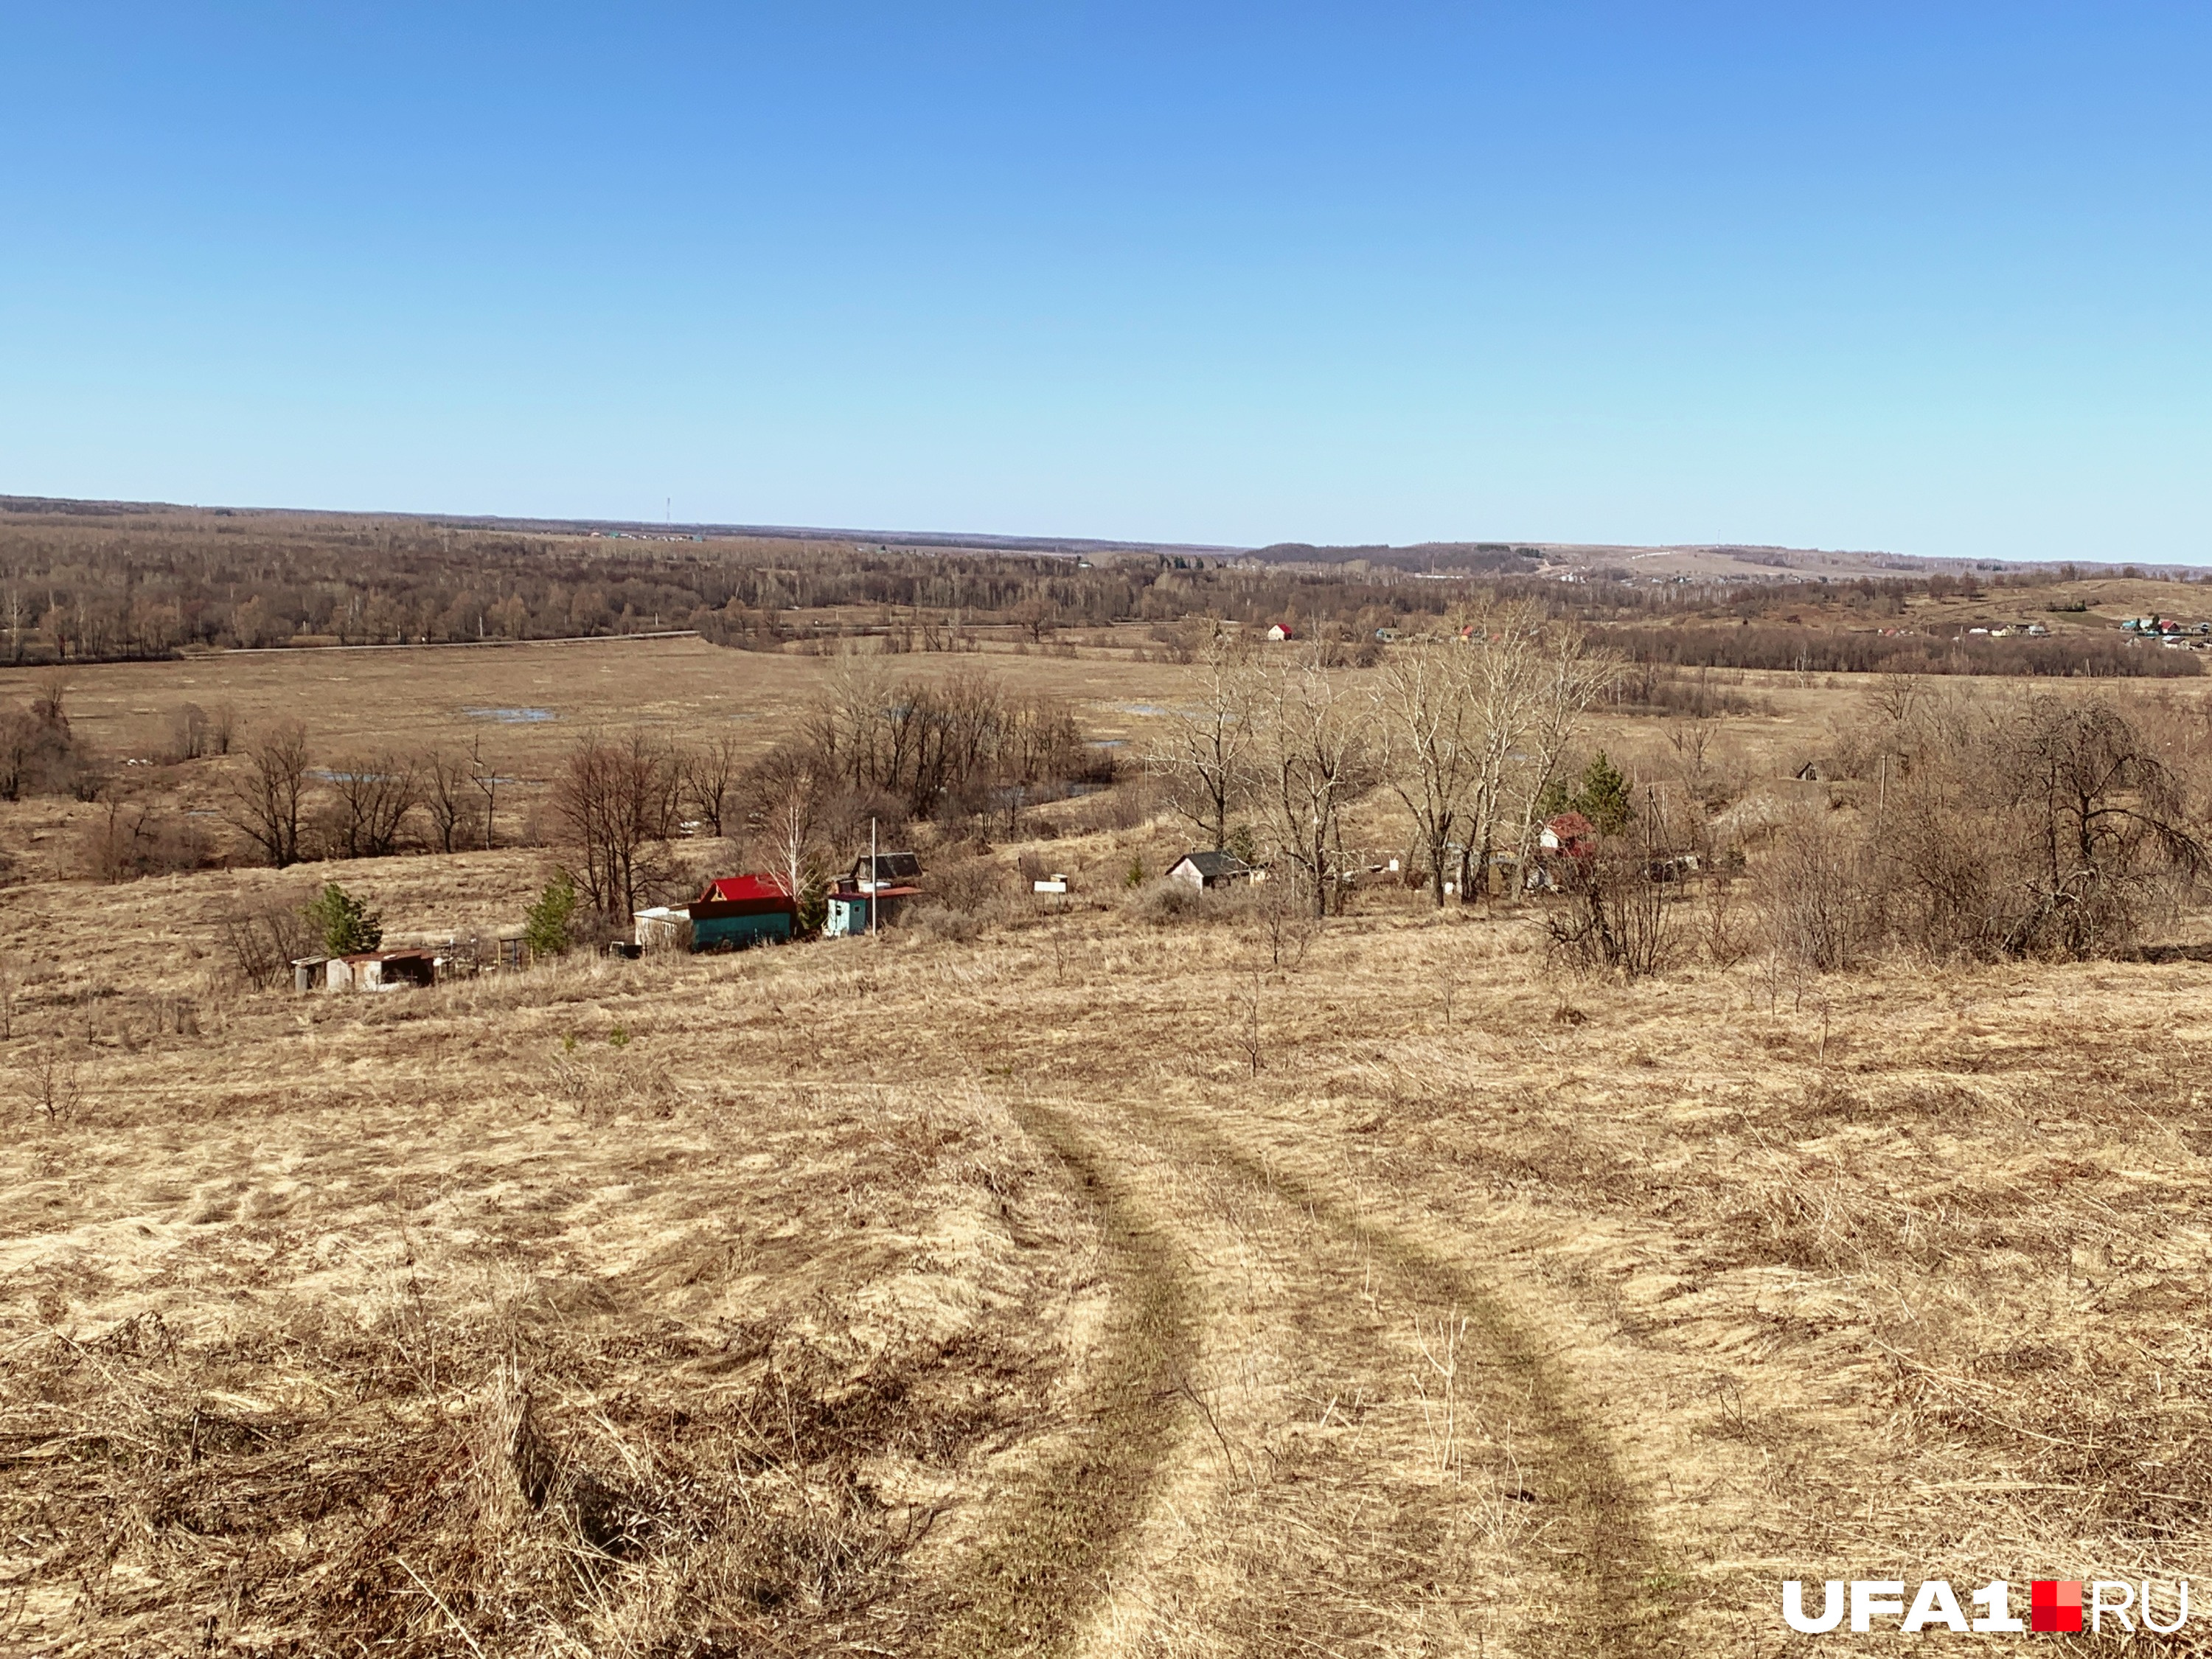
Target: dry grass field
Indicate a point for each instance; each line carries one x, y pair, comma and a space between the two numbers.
529, 704
1091, 1286
528, 700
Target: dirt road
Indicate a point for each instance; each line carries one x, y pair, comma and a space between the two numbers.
1368, 1451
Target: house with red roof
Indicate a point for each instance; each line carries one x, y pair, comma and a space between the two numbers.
1570, 833
735, 911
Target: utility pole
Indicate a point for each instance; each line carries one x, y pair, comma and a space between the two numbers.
873, 883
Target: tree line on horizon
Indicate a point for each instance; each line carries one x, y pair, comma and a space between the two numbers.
127, 584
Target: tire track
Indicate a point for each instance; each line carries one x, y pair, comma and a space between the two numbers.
1595, 1549
1026, 1589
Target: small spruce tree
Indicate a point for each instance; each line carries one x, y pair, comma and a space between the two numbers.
813, 904
1603, 797
346, 923
546, 923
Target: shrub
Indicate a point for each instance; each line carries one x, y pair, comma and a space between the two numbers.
1163, 902
1619, 913
1816, 894
262, 940
936, 921
134, 840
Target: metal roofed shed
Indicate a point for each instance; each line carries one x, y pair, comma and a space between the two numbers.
737, 911
1204, 870
662, 927
378, 970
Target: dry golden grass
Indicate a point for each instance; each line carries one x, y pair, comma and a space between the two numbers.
362, 698
925, 1297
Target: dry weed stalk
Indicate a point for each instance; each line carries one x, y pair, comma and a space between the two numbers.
1440, 1352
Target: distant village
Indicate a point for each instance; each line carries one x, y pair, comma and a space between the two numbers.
730, 913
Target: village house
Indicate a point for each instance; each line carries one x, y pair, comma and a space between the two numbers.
1280, 632
1201, 871
1570, 835
872, 894
736, 911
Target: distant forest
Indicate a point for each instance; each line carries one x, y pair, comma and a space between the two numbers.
89, 582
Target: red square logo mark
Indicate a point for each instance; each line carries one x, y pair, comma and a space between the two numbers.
2054, 1604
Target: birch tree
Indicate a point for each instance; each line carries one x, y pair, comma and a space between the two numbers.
1204, 751
1316, 757
1427, 703
787, 821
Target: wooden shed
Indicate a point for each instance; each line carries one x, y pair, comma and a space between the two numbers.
849, 910
662, 927
889, 870
380, 971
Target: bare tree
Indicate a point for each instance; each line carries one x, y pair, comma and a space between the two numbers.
50, 705
1620, 912
787, 821
2101, 817
484, 774
263, 939
188, 733
1315, 758
1531, 680
448, 791
1204, 751
709, 772
2043, 825
616, 801
1427, 700
266, 798
370, 796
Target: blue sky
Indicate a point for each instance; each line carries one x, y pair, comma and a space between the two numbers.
1930, 277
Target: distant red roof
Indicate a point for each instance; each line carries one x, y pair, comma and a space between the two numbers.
738, 889
1576, 834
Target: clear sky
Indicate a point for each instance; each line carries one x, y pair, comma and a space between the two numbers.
1926, 277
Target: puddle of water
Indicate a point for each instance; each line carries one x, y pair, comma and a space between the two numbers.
511, 716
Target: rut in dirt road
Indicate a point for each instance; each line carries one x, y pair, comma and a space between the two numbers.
1596, 1544
1281, 1532
1026, 1589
